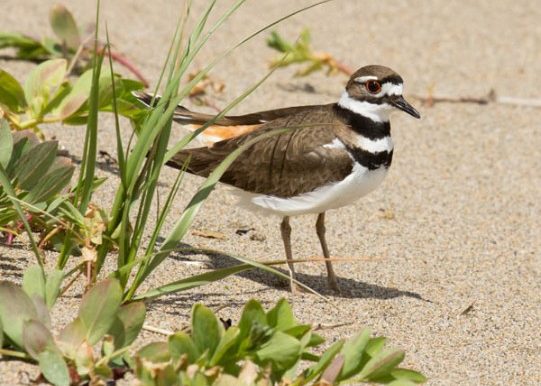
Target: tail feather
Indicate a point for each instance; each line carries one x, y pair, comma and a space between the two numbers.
222, 129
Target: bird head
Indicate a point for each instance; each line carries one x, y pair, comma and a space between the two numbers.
375, 91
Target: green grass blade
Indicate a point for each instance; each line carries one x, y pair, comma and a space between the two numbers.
85, 183
201, 74
166, 209
157, 229
88, 164
188, 215
193, 281
190, 136
119, 145
219, 274
179, 31
141, 176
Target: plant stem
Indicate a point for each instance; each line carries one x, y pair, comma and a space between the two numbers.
13, 353
31, 123
63, 291
116, 353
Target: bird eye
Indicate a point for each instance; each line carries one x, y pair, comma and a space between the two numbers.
373, 86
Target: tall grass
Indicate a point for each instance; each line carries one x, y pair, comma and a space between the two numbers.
140, 165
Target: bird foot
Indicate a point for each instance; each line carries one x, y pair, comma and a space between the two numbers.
333, 284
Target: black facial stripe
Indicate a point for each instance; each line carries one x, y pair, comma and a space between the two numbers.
363, 125
378, 100
394, 79
369, 160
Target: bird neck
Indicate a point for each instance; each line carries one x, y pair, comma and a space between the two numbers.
377, 112
361, 122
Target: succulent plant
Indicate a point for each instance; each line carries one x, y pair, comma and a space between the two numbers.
68, 357
266, 348
34, 172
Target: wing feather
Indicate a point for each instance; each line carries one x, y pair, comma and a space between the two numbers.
284, 165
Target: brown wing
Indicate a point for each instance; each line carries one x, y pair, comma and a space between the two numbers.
283, 165
185, 116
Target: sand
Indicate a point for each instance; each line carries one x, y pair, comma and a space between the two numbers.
447, 252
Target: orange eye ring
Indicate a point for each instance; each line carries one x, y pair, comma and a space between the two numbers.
373, 86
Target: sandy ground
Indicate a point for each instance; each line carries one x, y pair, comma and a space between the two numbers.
453, 275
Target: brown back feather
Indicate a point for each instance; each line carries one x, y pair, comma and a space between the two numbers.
283, 165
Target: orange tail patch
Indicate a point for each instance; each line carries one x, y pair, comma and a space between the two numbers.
216, 133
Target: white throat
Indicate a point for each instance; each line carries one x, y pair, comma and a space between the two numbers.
373, 111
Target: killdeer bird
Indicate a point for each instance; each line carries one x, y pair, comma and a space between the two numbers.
333, 155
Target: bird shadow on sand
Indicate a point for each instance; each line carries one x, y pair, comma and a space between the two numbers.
14, 267
349, 288
215, 300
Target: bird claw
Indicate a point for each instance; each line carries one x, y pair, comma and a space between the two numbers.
333, 285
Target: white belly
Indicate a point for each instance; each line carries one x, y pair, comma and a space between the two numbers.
360, 182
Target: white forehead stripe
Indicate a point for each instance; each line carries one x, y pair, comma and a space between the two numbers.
387, 88
362, 79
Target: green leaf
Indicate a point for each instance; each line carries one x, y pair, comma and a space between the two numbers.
15, 309
16, 40
281, 316
206, 329
8, 188
382, 364
26, 47
400, 382
353, 352
34, 281
282, 351
56, 98
42, 82
326, 358
34, 164
22, 142
11, 92
375, 345
278, 43
106, 89
315, 340
72, 337
37, 338
41, 310
1, 334
52, 183
64, 26
54, 368
408, 375
252, 313
180, 343
155, 352
99, 307
229, 339
128, 323
6, 141
76, 98
299, 331
52, 286
330, 375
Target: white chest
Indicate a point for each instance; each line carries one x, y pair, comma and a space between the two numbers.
358, 183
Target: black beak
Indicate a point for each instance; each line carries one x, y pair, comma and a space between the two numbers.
400, 103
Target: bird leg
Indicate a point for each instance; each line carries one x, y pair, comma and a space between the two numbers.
285, 228
320, 229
